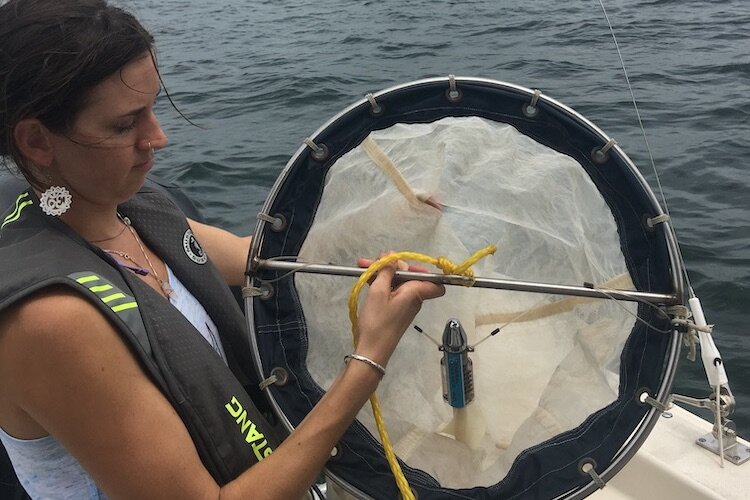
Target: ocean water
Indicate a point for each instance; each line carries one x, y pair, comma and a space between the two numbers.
257, 77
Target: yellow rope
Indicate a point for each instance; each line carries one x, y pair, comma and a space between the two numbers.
448, 267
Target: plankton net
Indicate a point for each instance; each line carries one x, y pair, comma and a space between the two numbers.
565, 331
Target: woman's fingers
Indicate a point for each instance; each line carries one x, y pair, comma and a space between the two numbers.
389, 309
383, 281
400, 265
426, 290
362, 262
415, 268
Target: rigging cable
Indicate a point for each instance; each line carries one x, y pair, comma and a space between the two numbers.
648, 149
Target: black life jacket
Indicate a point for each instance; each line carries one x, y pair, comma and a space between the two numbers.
225, 423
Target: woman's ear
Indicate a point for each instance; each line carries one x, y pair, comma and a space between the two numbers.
33, 141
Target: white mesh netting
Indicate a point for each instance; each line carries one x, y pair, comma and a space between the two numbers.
548, 369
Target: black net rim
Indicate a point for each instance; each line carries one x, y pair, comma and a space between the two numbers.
609, 437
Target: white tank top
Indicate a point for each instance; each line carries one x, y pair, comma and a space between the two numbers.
46, 469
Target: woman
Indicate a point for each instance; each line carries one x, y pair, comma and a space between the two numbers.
106, 388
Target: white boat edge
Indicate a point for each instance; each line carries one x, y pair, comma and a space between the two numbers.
670, 465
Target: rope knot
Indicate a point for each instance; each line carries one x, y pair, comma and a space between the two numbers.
449, 267
464, 268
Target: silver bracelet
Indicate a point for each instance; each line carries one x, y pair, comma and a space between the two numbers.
367, 360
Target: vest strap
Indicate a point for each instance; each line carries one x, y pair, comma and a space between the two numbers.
122, 304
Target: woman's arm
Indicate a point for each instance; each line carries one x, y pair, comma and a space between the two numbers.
65, 366
227, 251
75, 378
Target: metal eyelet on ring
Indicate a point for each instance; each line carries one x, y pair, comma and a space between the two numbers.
376, 109
531, 110
453, 94
600, 156
319, 151
266, 291
282, 376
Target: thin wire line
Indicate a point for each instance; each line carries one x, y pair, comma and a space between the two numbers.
635, 315
618, 302
613, 299
648, 148
286, 258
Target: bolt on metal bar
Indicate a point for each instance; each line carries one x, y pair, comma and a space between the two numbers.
477, 282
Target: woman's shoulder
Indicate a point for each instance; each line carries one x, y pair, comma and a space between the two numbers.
49, 322
48, 309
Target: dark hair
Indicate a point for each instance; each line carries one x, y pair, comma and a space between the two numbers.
52, 52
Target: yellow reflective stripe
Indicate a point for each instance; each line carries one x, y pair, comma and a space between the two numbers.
18, 202
114, 296
100, 286
125, 306
16, 211
87, 279
16, 214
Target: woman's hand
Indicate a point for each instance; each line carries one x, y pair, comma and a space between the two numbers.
389, 309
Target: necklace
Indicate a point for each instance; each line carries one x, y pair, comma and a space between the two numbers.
124, 226
137, 269
165, 287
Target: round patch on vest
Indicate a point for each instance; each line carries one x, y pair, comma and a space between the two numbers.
193, 249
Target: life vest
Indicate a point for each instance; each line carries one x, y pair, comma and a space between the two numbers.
226, 425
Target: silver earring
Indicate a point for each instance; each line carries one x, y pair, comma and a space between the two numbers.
55, 201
